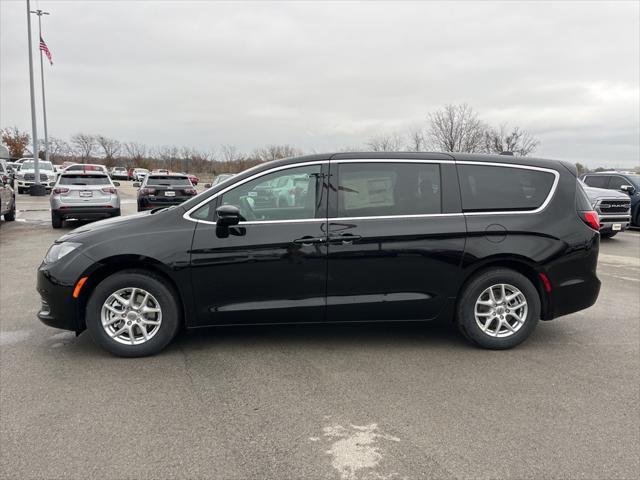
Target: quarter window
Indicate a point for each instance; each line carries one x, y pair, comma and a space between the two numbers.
388, 189
291, 194
490, 188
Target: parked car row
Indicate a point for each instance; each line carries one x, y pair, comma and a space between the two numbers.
7, 194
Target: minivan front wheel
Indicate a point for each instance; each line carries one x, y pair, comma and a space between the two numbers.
498, 309
132, 314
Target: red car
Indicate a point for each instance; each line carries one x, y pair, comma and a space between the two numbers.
193, 179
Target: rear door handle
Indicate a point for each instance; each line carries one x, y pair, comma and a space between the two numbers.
308, 241
344, 239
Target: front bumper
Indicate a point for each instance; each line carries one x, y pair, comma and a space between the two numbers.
614, 223
55, 284
27, 184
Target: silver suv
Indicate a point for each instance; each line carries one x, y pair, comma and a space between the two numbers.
83, 196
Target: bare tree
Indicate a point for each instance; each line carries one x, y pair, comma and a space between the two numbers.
135, 151
84, 145
385, 143
275, 152
229, 153
110, 147
513, 140
58, 149
456, 128
415, 140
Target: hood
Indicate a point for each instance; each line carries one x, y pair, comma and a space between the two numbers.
116, 223
596, 193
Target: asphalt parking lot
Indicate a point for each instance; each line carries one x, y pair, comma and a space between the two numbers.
337, 402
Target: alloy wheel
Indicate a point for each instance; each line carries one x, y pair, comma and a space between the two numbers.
501, 310
131, 316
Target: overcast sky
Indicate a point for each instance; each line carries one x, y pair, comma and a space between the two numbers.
325, 75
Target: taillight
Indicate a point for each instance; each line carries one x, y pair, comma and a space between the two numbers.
591, 218
190, 191
60, 190
110, 190
148, 191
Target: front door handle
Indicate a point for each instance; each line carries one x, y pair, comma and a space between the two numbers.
307, 241
344, 239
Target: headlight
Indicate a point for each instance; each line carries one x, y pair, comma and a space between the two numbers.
20, 175
59, 250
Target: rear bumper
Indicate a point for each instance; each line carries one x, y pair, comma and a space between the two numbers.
574, 283
145, 203
86, 212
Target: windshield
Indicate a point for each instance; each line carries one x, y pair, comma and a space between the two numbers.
168, 181
31, 165
84, 180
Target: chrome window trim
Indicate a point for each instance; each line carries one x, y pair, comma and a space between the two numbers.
544, 204
390, 160
187, 214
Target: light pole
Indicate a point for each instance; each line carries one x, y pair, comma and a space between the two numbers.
37, 189
39, 13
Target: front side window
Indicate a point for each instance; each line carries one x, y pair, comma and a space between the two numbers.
616, 182
597, 181
290, 194
492, 188
388, 189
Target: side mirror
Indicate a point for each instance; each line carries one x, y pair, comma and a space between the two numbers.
207, 185
136, 184
228, 215
116, 184
627, 189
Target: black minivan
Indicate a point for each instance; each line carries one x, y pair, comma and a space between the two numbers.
493, 243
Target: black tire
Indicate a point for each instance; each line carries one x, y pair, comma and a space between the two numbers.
20, 190
56, 220
10, 216
465, 315
156, 286
608, 234
116, 213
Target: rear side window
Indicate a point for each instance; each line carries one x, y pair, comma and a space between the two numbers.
597, 181
491, 188
388, 189
84, 180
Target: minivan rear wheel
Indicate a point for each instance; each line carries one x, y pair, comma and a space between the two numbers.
498, 309
132, 314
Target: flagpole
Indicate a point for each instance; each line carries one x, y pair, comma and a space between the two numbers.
44, 102
36, 189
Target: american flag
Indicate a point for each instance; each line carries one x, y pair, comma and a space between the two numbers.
45, 49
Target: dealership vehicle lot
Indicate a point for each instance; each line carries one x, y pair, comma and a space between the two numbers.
385, 401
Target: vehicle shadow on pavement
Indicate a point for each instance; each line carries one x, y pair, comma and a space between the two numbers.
427, 334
